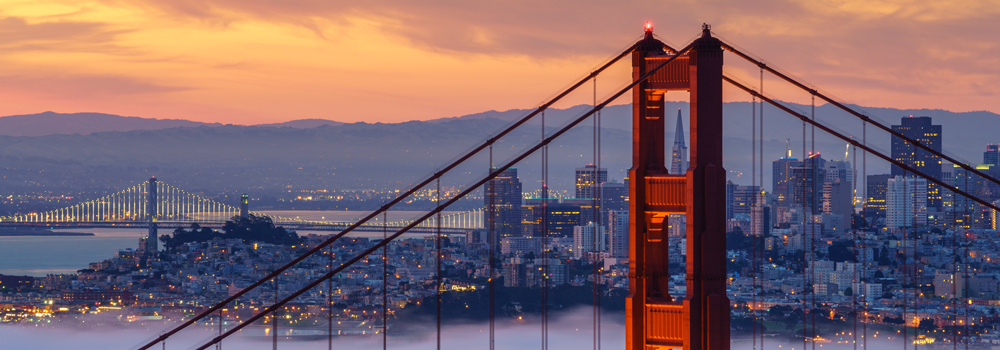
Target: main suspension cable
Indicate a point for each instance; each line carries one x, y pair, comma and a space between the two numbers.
493, 174
392, 202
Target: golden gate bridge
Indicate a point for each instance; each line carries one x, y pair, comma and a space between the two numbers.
654, 318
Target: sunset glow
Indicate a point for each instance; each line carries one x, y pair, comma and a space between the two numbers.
248, 62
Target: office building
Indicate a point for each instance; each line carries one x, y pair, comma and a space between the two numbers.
875, 196
587, 180
502, 202
588, 238
922, 130
905, 202
617, 224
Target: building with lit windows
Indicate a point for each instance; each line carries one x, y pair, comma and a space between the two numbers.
906, 202
919, 129
587, 180
502, 204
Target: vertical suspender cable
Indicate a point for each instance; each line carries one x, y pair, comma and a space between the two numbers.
491, 236
437, 243
965, 259
593, 202
329, 301
805, 235
954, 271
864, 221
753, 217
906, 253
812, 220
385, 284
274, 318
603, 238
857, 247
761, 160
543, 281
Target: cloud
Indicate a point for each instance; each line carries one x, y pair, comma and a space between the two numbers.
19, 35
72, 86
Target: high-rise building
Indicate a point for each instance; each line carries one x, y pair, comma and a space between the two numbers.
614, 196
588, 238
919, 129
966, 212
760, 218
992, 154
875, 192
905, 202
679, 153
618, 233
739, 199
805, 184
502, 204
781, 173
561, 217
587, 181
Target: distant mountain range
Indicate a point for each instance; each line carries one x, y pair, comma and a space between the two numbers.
51, 123
86, 150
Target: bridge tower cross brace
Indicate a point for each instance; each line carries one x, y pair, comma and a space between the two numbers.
654, 319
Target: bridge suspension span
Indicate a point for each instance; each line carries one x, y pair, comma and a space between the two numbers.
654, 318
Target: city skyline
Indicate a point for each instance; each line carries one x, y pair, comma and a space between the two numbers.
514, 217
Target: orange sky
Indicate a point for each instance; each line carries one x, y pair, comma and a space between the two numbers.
263, 61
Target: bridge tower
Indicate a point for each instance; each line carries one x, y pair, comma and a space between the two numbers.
654, 319
244, 206
153, 243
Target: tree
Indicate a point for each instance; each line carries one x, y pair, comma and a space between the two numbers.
255, 228
927, 325
848, 292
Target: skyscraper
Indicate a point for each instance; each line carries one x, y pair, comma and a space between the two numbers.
587, 181
502, 202
919, 129
739, 199
780, 175
618, 233
614, 196
875, 201
805, 184
992, 154
678, 154
905, 202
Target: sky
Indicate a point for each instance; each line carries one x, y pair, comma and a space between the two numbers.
264, 61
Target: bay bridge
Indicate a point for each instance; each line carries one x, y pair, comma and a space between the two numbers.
700, 317
155, 204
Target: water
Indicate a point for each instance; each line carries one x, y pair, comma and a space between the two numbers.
38, 256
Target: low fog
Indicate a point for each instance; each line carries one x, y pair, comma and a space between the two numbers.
567, 330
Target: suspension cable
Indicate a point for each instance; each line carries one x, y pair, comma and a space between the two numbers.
329, 302
594, 193
812, 221
864, 221
545, 235
765, 229
753, 216
437, 243
393, 202
493, 174
806, 217
385, 283
491, 235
